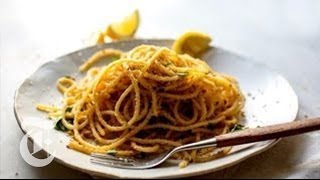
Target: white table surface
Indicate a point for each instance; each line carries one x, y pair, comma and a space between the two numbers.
283, 35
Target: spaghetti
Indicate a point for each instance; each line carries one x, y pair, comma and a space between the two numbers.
148, 101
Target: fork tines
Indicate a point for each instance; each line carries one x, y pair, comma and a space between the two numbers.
105, 159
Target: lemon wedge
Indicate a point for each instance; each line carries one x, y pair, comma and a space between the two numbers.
192, 43
99, 38
124, 29
95, 38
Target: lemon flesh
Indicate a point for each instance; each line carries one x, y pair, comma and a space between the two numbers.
192, 43
124, 29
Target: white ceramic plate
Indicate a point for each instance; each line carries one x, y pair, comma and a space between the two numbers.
269, 100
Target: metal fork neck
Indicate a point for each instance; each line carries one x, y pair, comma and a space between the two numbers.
212, 142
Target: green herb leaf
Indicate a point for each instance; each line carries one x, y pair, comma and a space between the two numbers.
182, 74
69, 77
112, 152
68, 109
70, 120
238, 127
60, 127
167, 64
114, 58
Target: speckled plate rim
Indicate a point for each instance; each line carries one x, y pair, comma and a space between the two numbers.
236, 160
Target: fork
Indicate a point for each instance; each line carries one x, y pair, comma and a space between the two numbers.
230, 139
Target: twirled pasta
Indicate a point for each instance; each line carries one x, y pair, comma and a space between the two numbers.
148, 101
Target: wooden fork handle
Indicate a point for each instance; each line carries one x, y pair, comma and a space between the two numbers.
268, 132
